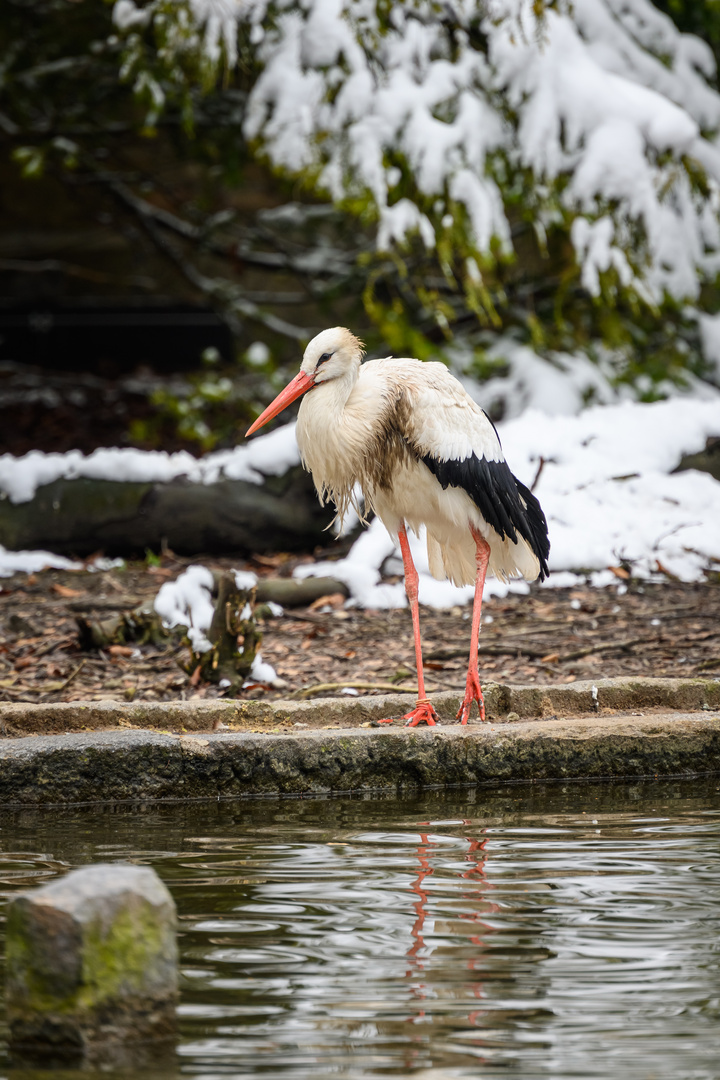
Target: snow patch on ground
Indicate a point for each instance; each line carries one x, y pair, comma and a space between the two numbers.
261, 672
31, 562
187, 601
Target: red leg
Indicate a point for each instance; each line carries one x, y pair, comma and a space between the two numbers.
423, 711
472, 686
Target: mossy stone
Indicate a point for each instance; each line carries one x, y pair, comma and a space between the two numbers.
92, 957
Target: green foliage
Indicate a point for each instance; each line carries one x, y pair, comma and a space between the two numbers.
205, 409
75, 85
151, 559
31, 160
164, 62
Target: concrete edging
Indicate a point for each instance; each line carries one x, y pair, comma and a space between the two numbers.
681, 738
502, 701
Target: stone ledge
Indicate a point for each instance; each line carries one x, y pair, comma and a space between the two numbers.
131, 765
527, 702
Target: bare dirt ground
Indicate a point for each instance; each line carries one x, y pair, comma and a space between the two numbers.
547, 636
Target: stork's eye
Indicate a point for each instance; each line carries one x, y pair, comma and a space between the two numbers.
325, 356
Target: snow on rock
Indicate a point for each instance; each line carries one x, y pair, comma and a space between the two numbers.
268, 455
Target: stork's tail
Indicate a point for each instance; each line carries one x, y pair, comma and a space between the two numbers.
522, 555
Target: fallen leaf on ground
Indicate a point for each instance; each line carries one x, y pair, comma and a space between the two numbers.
333, 600
66, 591
120, 650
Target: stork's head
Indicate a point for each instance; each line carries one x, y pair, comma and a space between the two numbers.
333, 354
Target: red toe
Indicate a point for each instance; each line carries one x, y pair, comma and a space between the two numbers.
423, 713
473, 692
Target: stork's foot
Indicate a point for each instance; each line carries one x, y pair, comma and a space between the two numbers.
423, 713
472, 693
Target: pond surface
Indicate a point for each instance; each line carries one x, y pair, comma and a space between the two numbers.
522, 932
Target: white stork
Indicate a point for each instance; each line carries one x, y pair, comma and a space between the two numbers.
423, 453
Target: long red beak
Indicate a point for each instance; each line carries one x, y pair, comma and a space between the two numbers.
293, 390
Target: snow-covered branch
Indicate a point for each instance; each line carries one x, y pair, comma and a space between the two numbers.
449, 123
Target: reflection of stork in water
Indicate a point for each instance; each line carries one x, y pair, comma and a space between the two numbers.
476, 856
425, 871
413, 953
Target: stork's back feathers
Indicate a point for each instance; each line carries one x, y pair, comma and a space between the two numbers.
505, 503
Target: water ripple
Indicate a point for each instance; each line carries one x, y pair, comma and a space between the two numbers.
510, 933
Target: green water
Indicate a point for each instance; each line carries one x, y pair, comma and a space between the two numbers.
515, 932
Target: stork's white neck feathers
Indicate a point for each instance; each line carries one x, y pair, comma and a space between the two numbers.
332, 431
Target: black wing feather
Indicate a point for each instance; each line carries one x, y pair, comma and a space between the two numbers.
505, 503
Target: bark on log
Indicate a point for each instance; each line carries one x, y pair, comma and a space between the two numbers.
290, 592
296, 592
140, 625
79, 517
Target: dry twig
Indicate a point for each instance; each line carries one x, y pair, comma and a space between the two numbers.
390, 688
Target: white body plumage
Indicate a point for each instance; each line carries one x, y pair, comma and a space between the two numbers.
422, 452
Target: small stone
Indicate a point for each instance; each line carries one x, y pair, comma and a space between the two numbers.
22, 628
512, 717
92, 960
